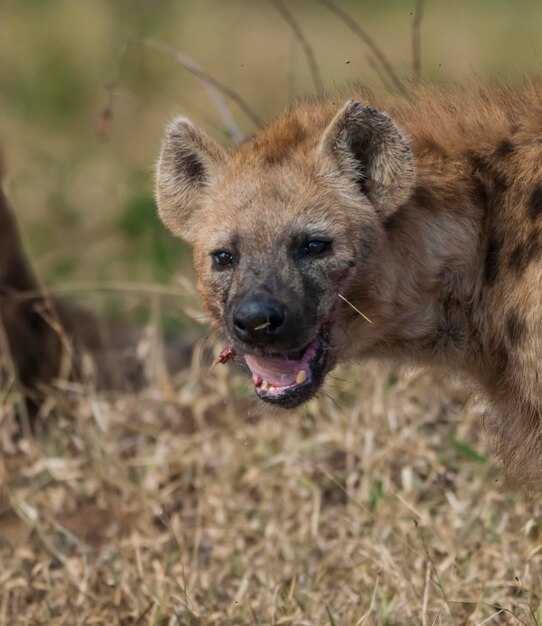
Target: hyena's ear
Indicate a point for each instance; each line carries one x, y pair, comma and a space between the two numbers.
368, 147
188, 164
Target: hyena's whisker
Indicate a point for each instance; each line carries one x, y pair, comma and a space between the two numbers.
208, 344
334, 402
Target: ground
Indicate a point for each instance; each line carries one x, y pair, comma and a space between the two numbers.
189, 504
185, 504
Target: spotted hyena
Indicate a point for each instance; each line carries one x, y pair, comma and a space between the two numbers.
341, 231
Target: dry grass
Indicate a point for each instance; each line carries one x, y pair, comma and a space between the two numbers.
188, 504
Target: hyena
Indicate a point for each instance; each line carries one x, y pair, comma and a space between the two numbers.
341, 232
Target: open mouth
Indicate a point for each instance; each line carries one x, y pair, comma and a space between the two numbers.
289, 380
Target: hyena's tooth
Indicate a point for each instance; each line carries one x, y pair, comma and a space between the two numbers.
301, 377
264, 385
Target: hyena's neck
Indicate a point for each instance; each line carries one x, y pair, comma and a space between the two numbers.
429, 275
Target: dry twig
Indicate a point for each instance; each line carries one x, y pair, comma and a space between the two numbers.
292, 74
213, 87
117, 286
307, 48
416, 43
106, 114
368, 41
383, 77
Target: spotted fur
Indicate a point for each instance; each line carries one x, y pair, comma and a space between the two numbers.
434, 209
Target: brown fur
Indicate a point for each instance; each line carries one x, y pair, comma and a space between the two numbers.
34, 346
37, 331
443, 255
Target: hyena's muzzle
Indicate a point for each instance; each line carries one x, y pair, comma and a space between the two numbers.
283, 346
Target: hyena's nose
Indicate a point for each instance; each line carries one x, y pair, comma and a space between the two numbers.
259, 320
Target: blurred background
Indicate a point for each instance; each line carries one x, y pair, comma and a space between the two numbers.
183, 501
83, 103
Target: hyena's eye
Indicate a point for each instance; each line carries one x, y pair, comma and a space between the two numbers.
222, 258
317, 246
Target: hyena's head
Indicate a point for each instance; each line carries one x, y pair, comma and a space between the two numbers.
282, 225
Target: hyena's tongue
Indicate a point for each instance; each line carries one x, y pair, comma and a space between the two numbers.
279, 372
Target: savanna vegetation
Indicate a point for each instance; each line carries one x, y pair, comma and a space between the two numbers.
177, 499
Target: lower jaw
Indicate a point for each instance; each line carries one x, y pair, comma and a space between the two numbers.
291, 397
294, 395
